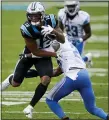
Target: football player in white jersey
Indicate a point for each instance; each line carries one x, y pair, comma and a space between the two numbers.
75, 78
76, 24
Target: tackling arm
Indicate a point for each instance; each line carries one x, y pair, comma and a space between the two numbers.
57, 72
33, 73
61, 26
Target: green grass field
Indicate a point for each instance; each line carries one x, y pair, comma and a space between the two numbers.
12, 45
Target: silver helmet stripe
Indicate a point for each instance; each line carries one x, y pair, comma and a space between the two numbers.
33, 6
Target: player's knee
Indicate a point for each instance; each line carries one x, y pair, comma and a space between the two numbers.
91, 110
47, 100
15, 84
45, 80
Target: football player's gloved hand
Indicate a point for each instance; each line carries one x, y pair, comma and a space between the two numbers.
25, 55
79, 40
58, 55
22, 56
59, 59
46, 30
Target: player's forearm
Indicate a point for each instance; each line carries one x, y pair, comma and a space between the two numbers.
32, 46
87, 30
61, 26
85, 37
43, 53
59, 36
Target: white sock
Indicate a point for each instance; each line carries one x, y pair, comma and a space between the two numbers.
30, 107
5, 84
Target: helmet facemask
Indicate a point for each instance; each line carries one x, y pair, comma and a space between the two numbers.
72, 8
35, 18
35, 13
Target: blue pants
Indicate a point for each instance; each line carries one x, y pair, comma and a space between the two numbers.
80, 47
66, 86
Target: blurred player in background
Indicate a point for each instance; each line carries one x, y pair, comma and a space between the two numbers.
36, 32
76, 24
75, 78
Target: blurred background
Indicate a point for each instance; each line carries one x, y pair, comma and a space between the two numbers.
14, 100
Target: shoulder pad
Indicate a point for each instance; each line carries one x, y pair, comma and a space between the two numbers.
61, 13
51, 20
85, 16
24, 30
84, 13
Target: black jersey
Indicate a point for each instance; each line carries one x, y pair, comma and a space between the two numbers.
30, 31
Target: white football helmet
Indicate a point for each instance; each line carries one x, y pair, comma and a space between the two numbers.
71, 7
35, 13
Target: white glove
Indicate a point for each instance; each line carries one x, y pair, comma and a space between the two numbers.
46, 30
79, 40
59, 55
59, 59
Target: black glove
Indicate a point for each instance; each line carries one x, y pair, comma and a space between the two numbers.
25, 55
22, 56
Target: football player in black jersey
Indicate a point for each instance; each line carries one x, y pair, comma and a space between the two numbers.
38, 32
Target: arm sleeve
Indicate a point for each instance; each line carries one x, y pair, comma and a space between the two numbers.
87, 19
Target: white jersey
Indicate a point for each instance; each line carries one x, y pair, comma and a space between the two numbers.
74, 27
69, 57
